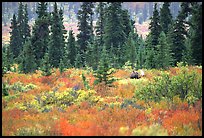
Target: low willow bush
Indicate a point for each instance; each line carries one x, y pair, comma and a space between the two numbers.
46, 101
187, 85
19, 87
5, 89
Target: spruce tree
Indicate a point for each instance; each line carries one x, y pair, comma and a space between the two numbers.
114, 29
66, 60
4, 61
152, 38
90, 55
196, 33
100, 23
15, 39
104, 72
187, 54
177, 36
163, 54
155, 27
46, 67
96, 55
7, 59
40, 32
26, 27
127, 23
150, 53
78, 60
71, 47
165, 17
61, 66
131, 49
141, 53
20, 21
84, 16
56, 44
28, 64
112, 57
63, 31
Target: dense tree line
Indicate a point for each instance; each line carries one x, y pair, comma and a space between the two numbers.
143, 13
113, 41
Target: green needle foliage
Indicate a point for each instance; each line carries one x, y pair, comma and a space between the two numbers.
104, 72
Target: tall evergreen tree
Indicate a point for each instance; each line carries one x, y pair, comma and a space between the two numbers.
112, 56
150, 53
7, 59
20, 21
141, 53
96, 55
177, 36
165, 17
71, 47
56, 44
27, 64
41, 9
114, 32
155, 27
152, 38
61, 66
63, 30
26, 27
85, 27
187, 54
90, 55
126, 22
40, 32
196, 33
4, 61
66, 60
15, 39
163, 54
100, 23
78, 60
131, 51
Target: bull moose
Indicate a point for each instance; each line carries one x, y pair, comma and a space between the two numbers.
136, 75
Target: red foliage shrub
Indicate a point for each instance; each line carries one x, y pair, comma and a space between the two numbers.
180, 118
84, 128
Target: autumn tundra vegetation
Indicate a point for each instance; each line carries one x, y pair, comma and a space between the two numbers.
108, 82
164, 102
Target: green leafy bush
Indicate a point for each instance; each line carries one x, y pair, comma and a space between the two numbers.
188, 85
85, 82
19, 87
5, 90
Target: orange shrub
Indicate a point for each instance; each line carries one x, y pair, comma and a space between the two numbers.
122, 74
180, 118
125, 90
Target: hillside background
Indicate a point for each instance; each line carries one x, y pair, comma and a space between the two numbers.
139, 11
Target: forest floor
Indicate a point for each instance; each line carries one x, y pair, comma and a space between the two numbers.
61, 104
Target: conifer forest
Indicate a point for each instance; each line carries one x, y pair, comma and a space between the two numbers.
101, 68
